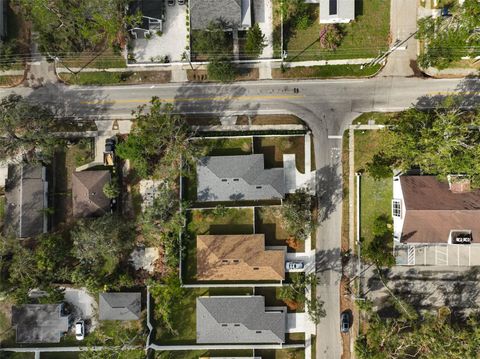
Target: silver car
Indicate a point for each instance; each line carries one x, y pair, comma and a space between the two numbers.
294, 265
80, 330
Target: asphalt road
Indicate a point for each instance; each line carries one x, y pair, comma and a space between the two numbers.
328, 106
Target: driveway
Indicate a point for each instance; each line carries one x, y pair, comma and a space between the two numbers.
263, 15
172, 43
295, 322
438, 255
84, 305
403, 25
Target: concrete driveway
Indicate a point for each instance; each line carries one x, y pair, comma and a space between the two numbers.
173, 41
263, 15
84, 305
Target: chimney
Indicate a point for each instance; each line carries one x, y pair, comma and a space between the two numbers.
458, 183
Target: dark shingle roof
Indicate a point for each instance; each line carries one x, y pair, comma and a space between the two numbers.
432, 210
236, 320
120, 306
39, 323
231, 178
87, 193
25, 194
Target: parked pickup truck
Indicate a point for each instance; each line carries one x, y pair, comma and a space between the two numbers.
109, 153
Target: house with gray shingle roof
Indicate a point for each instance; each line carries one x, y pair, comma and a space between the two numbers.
120, 306
239, 320
236, 14
39, 323
26, 196
238, 178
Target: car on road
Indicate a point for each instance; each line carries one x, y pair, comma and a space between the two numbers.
345, 322
80, 330
294, 265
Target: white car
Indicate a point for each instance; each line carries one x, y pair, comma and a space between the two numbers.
294, 265
80, 330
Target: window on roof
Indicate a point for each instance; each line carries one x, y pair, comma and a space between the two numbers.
224, 325
237, 325
256, 268
224, 180
236, 261
235, 179
258, 332
259, 187
224, 260
396, 208
333, 7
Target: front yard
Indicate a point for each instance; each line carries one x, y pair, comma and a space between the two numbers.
273, 149
375, 195
212, 221
184, 322
365, 37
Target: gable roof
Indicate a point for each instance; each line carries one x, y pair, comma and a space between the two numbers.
235, 13
87, 193
432, 210
39, 323
234, 178
216, 256
239, 319
120, 306
25, 192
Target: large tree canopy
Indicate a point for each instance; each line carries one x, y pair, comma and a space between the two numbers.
26, 130
66, 26
441, 142
158, 142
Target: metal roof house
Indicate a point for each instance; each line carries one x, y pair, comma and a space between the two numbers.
238, 178
239, 320
120, 306
87, 193
428, 211
335, 11
39, 323
238, 257
26, 192
236, 14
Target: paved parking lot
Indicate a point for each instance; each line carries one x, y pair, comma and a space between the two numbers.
173, 41
438, 255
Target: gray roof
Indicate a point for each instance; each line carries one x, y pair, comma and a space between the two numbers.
236, 320
234, 13
235, 178
334, 11
87, 193
39, 323
25, 194
120, 306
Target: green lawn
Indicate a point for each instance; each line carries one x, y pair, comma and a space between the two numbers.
326, 71
105, 60
121, 77
273, 149
185, 320
379, 117
365, 37
10, 80
195, 354
267, 221
231, 221
226, 146
375, 195
272, 299
297, 353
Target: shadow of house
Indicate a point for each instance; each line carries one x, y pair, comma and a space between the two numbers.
153, 17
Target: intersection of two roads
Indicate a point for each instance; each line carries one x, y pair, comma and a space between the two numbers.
327, 106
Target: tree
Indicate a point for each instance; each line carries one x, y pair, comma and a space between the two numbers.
442, 142
296, 213
111, 190
213, 41
158, 143
26, 130
331, 36
221, 69
99, 246
380, 166
255, 41
65, 27
379, 249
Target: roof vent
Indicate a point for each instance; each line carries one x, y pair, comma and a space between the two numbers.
458, 183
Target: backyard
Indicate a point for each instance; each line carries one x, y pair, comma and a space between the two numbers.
184, 322
273, 149
365, 37
375, 195
268, 221
213, 221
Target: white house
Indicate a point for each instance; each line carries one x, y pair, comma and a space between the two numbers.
335, 11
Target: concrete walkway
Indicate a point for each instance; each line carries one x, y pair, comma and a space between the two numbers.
263, 12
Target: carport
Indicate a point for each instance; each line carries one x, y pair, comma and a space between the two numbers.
461, 255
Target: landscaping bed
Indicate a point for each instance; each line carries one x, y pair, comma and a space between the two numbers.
269, 120
212, 221
326, 71
121, 77
10, 80
295, 353
242, 75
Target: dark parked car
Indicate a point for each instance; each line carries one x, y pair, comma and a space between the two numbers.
345, 322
